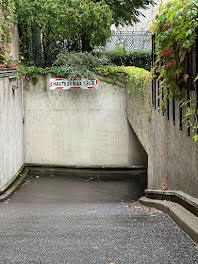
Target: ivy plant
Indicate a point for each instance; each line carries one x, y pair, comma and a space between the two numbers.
6, 27
175, 30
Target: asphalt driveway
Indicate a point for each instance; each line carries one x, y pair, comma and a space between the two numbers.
56, 218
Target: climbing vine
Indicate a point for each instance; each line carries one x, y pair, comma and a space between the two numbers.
6, 27
140, 80
175, 29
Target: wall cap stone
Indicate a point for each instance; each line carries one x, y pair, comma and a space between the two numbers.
187, 201
182, 217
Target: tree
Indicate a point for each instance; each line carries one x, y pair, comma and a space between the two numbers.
62, 20
69, 23
126, 12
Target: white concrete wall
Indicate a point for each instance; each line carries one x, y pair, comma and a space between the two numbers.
11, 131
171, 153
84, 128
15, 44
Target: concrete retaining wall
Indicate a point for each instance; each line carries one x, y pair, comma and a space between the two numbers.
15, 44
89, 128
11, 131
84, 128
171, 153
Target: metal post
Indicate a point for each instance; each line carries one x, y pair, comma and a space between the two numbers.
197, 73
188, 85
168, 104
174, 110
153, 80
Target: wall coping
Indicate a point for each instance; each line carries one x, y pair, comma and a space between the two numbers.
8, 73
187, 201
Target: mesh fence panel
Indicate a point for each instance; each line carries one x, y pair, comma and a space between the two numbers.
131, 40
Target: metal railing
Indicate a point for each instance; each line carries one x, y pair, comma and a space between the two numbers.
188, 88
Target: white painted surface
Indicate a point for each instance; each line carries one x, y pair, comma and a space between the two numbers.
15, 44
11, 131
64, 84
171, 153
79, 127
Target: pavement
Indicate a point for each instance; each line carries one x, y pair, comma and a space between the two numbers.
56, 219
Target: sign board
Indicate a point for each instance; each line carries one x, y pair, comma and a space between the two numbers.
64, 84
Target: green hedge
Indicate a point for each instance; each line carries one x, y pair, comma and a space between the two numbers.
120, 56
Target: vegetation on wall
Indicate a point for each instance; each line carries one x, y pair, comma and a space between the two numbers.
82, 65
69, 65
175, 29
139, 79
6, 27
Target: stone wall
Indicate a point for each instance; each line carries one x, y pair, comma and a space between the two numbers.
11, 130
82, 128
171, 153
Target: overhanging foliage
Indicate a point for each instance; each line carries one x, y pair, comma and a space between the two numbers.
175, 29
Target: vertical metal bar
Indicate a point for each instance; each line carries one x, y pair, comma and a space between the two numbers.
153, 39
189, 72
163, 98
155, 84
174, 110
158, 93
155, 73
180, 112
197, 73
168, 105
152, 90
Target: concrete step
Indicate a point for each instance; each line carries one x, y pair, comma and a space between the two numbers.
187, 221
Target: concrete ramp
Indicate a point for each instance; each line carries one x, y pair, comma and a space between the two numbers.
87, 218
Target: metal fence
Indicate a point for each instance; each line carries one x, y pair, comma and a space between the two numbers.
191, 68
130, 40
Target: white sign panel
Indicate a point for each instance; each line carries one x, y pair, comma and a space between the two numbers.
64, 84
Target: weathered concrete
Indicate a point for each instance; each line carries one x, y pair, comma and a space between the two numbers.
11, 131
15, 44
14, 185
90, 129
171, 153
188, 202
186, 220
84, 128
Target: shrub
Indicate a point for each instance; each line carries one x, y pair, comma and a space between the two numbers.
80, 64
119, 57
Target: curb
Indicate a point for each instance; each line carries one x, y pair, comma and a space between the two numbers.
187, 221
14, 185
184, 199
12, 180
